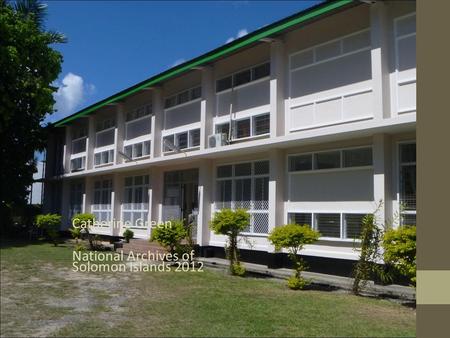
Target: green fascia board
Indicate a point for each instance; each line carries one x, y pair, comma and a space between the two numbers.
277, 27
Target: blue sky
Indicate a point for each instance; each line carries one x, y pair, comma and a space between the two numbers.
115, 44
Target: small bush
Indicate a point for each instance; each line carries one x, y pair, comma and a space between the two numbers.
51, 224
297, 283
400, 250
79, 247
76, 233
237, 269
128, 234
230, 223
293, 237
84, 222
169, 236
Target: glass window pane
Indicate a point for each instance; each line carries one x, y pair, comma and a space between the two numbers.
243, 128
327, 51
261, 71
168, 144
224, 84
353, 225
194, 138
97, 158
242, 77
196, 93
146, 150
104, 138
355, 42
138, 128
301, 162
224, 171
408, 187
302, 59
408, 153
183, 97
301, 218
408, 219
328, 160
357, 157
137, 150
170, 102
243, 191
261, 124
262, 168
128, 151
182, 140
223, 128
329, 225
243, 169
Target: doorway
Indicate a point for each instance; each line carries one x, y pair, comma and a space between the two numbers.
180, 195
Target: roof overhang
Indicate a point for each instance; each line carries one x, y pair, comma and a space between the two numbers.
258, 36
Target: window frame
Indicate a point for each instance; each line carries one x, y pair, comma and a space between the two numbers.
233, 179
340, 168
233, 74
175, 96
174, 138
342, 221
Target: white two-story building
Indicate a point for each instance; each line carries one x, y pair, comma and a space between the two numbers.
310, 120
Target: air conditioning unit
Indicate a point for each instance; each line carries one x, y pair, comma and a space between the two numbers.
217, 140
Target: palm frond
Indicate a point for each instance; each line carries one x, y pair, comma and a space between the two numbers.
56, 37
32, 8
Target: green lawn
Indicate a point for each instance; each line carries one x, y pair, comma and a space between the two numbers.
41, 295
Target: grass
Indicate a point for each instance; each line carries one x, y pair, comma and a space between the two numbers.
42, 296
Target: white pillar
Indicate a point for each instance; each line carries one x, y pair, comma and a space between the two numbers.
207, 106
205, 199
156, 186
277, 69
276, 189
379, 30
119, 134
89, 193
382, 177
90, 143
157, 121
65, 204
116, 200
67, 148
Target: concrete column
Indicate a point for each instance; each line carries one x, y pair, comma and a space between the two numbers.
116, 201
277, 70
156, 186
207, 106
89, 193
119, 133
382, 177
276, 189
379, 30
205, 199
67, 148
90, 143
65, 204
157, 121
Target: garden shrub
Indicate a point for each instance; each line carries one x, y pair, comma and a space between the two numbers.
84, 221
76, 233
128, 234
51, 224
230, 223
400, 250
169, 236
293, 237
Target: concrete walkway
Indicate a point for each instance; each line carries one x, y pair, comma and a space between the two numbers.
388, 291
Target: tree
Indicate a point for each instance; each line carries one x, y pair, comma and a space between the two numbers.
51, 224
28, 67
293, 237
230, 223
170, 235
400, 250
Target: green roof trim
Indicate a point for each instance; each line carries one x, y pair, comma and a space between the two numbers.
255, 36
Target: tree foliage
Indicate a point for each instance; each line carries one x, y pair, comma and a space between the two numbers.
293, 237
230, 223
169, 235
51, 224
28, 67
400, 250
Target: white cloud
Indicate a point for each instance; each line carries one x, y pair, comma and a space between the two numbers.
177, 62
242, 32
71, 93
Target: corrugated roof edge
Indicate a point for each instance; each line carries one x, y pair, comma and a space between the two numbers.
276, 27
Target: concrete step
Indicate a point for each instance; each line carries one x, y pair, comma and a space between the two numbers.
141, 246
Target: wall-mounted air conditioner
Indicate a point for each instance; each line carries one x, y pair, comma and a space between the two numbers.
217, 140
